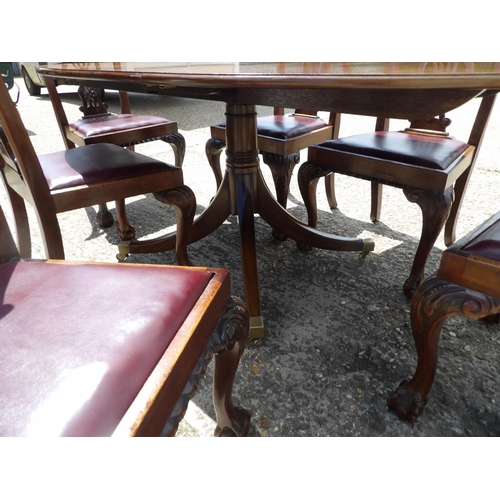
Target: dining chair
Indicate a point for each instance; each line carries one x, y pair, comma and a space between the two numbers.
467, 284
280, 139
431, 167
80, 177
75, 361
98, 126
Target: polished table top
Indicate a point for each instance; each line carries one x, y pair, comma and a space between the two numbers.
358, 88
292, 75
393, 90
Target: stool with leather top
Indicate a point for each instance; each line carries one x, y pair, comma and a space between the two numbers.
96, 349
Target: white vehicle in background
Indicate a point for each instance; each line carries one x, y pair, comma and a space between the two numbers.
32, 79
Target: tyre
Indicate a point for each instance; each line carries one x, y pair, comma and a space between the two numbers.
33, 89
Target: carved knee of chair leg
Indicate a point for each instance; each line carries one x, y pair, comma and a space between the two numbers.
435, 207
213, 150
178, 144
281, 168
184, 202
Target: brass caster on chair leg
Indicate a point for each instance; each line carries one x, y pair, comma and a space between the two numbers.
368, 246
123, 250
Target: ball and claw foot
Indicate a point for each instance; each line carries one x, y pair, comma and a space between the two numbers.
241, 425
405, 403
411, 285
278, 235
104, 219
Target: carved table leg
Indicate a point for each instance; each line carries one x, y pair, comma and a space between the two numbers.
434, 301
282, 168
435, 208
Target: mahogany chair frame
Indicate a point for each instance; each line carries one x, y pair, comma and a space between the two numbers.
93, 108
438, 193
467, 284
216, 326
25, 181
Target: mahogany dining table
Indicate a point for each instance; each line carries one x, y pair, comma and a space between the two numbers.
393, 90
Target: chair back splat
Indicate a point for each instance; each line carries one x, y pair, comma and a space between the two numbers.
431, 167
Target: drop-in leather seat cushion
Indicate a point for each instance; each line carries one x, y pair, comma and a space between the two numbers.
107, 124
73, 355
486, 244
287, 127
414, 149
96, 163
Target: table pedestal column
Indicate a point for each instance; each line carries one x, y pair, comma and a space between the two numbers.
242, 167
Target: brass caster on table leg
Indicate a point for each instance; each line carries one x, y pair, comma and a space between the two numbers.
256, 330
362, 256
123, 250
368, 246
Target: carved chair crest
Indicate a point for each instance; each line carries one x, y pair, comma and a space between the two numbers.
92, 102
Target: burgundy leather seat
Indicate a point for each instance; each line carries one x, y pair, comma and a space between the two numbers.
94, 126
486, 244
425, 151
97, 163
73, 371
286, 127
